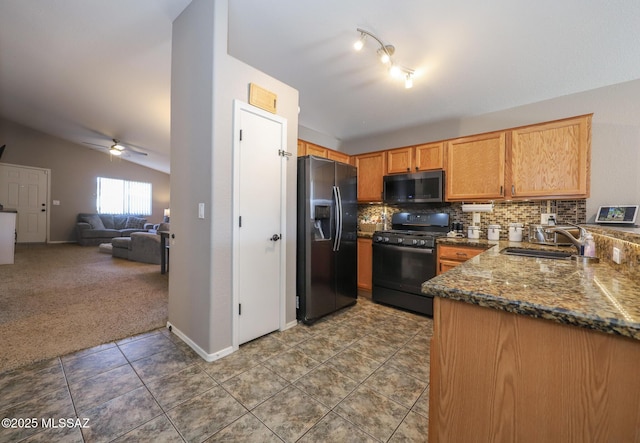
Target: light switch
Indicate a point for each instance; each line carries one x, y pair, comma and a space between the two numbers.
56, 202
200, 210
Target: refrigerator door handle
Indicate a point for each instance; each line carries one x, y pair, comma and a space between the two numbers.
336, 215
339, 212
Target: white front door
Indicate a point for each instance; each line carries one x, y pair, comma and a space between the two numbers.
259, 186
26, 190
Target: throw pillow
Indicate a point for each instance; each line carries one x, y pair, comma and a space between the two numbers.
120, 221
93, 220
135, 223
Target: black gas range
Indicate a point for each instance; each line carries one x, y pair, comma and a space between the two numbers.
404, 257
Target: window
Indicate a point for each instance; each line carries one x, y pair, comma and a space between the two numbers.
123, 197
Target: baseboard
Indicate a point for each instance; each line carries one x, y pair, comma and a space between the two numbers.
57, 242
197, 349
290, 325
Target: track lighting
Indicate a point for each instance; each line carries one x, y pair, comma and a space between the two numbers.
408, 81
385, 52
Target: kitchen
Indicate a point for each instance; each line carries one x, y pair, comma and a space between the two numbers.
616, 280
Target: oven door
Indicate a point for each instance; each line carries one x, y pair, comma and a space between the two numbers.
402, 268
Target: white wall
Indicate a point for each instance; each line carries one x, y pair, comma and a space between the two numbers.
615, 144
205, 82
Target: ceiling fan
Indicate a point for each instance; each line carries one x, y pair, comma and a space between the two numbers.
118, 148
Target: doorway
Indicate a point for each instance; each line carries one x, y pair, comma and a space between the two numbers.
259, 196
26, 190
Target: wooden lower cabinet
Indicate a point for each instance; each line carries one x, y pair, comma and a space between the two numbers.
499, 376
450, 256
365, 263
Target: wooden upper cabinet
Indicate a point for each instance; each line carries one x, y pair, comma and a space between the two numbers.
415, 158
338, 156
316, 150
307, 148
400, 160
429, 156
551, 159
475, 167
371, 169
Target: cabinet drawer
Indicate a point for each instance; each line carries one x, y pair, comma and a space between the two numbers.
457, 253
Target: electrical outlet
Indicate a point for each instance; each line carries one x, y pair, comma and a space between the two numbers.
617, 257
544, 218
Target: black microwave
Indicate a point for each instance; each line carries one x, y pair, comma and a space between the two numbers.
419, 187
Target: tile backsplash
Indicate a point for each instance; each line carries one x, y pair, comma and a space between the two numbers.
568, 211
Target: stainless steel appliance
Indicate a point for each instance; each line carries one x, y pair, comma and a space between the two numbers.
419, 187
405, 257
327, 237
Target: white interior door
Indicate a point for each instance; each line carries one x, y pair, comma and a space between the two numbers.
26, 190
259, 196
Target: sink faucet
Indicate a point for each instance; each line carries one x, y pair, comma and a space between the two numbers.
579, 243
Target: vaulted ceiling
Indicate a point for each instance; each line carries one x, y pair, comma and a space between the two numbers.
90, 71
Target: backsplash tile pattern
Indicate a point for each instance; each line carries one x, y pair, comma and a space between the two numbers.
528, 212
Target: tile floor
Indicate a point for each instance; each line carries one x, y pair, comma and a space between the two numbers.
361, 375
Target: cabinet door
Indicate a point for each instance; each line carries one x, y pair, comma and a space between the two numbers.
337, 156
429, 156
400, 160
450, 256
316, 150
475, 167
365, 263
371, 169
552, 159
302, 148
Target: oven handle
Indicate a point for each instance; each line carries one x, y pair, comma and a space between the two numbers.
404, 248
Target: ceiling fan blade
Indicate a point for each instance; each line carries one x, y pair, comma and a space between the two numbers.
135, 152
93, 144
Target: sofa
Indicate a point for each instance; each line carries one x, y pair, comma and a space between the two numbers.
94, 229
140, 246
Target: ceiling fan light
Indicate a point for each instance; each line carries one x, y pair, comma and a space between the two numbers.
115, 151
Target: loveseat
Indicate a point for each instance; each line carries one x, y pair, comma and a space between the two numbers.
93, 229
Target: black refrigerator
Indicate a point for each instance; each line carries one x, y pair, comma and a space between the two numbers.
327, 259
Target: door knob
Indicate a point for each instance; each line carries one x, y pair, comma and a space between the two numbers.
275, 237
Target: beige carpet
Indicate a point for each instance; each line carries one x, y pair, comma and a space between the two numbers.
58, 299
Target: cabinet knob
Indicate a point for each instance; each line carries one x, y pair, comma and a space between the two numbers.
408, 169
513, 189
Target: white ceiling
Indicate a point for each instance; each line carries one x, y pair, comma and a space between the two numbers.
92, 70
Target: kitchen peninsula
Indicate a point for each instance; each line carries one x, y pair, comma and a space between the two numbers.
528, 349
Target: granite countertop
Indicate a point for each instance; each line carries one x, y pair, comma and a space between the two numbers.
365, 234
593, 295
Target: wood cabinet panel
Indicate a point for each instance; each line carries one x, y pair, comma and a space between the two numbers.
316, 150
337, 156
552, 159
475, 167
498, 376
400, 160
371, 169
424, 157
307, 148
365, 263
450, 256
429, 156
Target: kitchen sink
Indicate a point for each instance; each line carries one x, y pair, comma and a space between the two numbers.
538, 253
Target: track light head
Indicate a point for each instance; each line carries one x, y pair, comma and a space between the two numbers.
359, 44
385, 52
